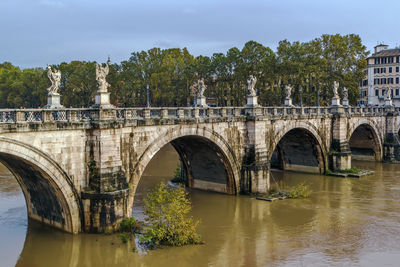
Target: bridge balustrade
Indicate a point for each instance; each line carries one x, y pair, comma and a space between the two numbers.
83, 115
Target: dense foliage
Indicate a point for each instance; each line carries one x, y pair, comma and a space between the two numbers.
170, 73
168, 221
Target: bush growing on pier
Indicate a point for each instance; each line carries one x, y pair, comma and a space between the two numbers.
167, 210
299, 191
130, 225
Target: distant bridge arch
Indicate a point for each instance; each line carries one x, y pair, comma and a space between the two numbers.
299, 131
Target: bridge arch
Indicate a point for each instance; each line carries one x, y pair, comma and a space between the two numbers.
365, 140
49, 192
190, 142
311, 154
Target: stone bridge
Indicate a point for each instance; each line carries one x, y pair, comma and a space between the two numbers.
79, 168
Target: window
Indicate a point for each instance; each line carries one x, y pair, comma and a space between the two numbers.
397, 91
383, 81
383, 70
397, 80
376, 92
397, 59
397, 69
390, 69
376, 70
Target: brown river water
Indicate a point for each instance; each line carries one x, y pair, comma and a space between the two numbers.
345, 222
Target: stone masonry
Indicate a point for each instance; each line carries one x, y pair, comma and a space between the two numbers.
79, 168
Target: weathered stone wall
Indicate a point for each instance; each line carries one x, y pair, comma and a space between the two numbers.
82, 175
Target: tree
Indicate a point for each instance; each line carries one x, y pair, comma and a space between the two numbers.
167, 210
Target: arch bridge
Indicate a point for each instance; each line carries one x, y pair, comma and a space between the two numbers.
79, 168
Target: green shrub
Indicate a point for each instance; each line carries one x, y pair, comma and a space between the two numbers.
299, 191
129, 225
178, 179
124, 237
167, 210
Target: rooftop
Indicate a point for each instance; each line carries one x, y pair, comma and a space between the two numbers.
387, 53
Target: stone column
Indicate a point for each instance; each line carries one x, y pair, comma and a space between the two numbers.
340, 153
391, 146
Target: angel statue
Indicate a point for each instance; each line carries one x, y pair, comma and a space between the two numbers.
251, 84
345, 93
55, 79
288, 89
201, 88
101, 73
388, 92
335, 89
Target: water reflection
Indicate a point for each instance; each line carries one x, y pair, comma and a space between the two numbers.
345, 222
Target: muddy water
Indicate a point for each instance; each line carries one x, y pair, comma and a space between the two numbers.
346, 222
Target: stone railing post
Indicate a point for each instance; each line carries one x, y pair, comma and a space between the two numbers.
236, 112
46, 115
181, 113
196, 112
72, 115
146, 113
19, 116
223, 112
164, 113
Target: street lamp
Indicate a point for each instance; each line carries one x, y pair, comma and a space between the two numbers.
301, 96
147, 96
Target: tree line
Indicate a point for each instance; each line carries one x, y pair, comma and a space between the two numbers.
170, 73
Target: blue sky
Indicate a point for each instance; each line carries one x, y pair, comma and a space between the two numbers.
39, 32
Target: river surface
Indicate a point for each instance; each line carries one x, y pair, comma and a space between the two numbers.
345, 222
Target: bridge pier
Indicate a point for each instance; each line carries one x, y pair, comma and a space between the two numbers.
391, 145
105, 200
340, 153
256, 166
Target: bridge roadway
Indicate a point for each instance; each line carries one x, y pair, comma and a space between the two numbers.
79, 168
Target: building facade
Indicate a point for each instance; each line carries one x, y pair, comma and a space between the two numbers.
382, 73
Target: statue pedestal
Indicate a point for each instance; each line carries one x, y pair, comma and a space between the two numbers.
345, 102
53, 101
335, 101
388, 103
102, 100
201, 102
251, 101
288, 102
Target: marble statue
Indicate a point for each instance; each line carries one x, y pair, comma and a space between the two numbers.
55, 79
288, 89
345, 93
251, 84
388, 92
101, 74
335, 89
201, 88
